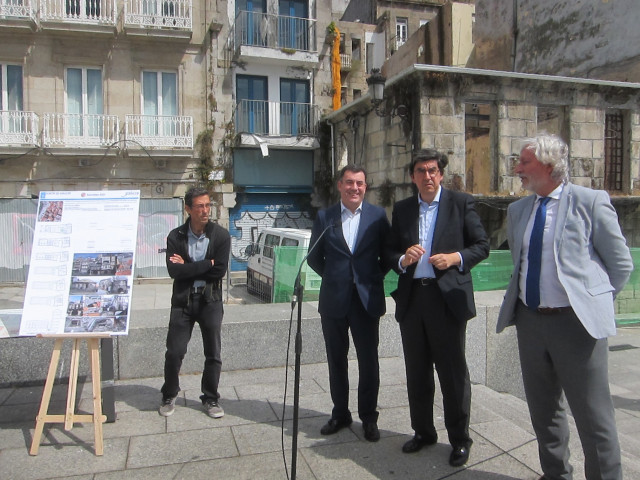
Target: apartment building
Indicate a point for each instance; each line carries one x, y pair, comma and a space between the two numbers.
159, 95
100, 94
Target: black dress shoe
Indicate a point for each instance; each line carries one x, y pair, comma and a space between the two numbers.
417, 442
334, 426
371, 431
459, 456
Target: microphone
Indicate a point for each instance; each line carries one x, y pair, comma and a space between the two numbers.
297, 286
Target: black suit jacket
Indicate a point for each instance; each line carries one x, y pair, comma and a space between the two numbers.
458, 229
341, 270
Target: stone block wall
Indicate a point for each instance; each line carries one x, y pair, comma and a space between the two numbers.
586, 143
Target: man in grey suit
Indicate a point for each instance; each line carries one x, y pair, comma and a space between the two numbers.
576, 246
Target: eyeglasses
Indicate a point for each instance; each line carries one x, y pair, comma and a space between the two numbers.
423, 171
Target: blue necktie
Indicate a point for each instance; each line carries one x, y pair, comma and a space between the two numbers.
535, 254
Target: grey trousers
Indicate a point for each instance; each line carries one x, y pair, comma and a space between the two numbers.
558, 355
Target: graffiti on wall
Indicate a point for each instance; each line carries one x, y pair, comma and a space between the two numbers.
245, 227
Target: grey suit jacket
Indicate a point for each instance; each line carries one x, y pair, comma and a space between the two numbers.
592, 257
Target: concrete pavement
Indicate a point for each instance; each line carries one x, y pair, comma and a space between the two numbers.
248, 441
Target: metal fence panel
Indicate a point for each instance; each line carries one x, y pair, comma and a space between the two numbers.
157, 217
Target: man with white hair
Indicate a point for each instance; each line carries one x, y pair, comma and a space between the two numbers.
569, 236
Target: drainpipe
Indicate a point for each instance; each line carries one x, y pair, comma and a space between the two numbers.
333, 162
514, 46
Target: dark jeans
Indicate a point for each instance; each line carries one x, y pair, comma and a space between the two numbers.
181, 322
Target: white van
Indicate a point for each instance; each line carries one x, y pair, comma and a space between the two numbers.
261, 257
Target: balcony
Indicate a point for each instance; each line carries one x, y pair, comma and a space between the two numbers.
172, 18
79, 15
155, 131
80, 131
18, 13
345, 62
18, 128
279, 121
275, 39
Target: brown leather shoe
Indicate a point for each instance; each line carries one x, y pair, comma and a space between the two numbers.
334, 426
417, 442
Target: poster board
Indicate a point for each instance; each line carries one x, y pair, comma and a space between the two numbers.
82, 263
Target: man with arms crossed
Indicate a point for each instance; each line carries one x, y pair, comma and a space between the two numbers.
436, 238
568, 236
197, 257
350, 238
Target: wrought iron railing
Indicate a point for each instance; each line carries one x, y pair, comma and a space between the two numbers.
78, 130
173, 14
159, 131
274, 31
18, 128
263, 117
95, 12
17, 9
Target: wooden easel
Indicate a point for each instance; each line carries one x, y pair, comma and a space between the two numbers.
70, 417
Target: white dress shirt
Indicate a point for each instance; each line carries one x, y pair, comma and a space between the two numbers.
350, 225
552, 293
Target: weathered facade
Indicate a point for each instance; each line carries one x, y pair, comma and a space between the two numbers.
480, 118
588, 39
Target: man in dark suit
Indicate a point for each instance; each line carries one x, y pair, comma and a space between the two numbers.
563, 322
436, 238
350, 240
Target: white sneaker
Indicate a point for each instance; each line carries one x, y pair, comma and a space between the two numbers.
168, 407
213, 409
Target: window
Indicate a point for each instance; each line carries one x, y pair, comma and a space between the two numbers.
401, 31
252, 26
252, 115
11, 98
295, 107
613, 151
293, 29
159, 102
11, 83
355, 48
270, 242
84, 102
289, 242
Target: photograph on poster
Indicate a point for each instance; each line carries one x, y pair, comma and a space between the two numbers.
50, 211
100, 285
97, 313
102, 264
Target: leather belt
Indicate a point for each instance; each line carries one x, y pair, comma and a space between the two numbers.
547, 310
424, 282
197, 290
553, 310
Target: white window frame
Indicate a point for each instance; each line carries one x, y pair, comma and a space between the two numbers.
5, 87
87, 127
402, 31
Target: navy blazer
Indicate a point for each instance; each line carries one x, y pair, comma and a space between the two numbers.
341, 270
458, 229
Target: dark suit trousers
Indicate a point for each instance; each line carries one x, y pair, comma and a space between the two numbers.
557, 354
364, 330
430, 335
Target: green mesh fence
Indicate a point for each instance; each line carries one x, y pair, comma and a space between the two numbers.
492, 273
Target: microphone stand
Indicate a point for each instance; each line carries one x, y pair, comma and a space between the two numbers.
298, 292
